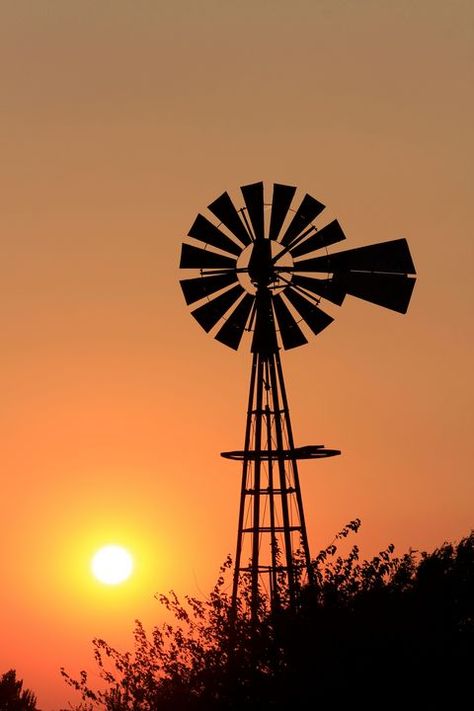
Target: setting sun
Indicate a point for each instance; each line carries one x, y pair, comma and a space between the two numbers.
112, 565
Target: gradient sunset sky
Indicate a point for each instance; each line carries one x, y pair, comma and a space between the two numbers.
120, 120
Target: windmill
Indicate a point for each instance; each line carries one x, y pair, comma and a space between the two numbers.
264, 268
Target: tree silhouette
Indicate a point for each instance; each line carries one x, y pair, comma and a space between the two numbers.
12, 695
384, 630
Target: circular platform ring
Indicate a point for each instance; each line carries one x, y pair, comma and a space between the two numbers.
311, 451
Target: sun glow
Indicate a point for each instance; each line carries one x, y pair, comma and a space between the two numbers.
112, 565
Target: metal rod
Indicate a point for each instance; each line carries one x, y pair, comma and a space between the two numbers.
248, 428
256, 496
284, 496
299, 498
274, 593
294, 242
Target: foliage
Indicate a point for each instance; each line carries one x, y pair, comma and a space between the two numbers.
387, 627
12, 695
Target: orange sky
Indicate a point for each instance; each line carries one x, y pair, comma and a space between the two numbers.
119, 122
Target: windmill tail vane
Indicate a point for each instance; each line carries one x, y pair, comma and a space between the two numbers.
264, 270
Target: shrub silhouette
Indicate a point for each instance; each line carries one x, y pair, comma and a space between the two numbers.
381, 632
12, 695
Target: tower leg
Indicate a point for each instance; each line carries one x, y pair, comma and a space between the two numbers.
243, 489
299, 498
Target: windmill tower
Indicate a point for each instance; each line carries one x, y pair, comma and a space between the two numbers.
256, 273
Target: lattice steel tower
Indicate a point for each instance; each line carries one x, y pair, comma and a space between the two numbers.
255, 276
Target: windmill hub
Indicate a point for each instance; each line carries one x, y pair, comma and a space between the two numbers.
260, 267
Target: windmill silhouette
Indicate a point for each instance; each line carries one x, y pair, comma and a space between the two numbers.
256, 275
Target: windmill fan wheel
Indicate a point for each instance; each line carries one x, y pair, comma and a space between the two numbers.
265, 267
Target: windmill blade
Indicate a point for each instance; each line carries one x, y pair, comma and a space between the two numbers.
230, 334
223, 208
210, 313
387, 257
253, 196
316, 319
330, 234
199, 287
291, 334
392, 291
281, 201
326, 288
204, 231
197, 258
307, 211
